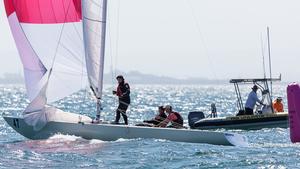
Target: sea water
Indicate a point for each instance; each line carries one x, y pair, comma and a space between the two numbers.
269, 148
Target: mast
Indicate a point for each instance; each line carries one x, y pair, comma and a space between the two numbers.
102, 54
270, 64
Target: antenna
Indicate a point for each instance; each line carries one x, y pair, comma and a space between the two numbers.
270, 65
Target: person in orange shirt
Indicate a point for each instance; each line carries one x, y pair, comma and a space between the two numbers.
277, 105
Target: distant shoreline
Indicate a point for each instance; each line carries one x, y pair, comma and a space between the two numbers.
136, 77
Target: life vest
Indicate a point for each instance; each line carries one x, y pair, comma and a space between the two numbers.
123, 91
278, 106
179, 119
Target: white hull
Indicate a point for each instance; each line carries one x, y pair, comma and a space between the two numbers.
108, 132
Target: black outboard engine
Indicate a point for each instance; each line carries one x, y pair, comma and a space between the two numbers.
194, 117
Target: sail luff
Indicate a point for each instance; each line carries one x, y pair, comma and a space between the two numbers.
94, 31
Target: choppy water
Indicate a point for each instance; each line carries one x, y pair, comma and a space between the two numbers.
269, 148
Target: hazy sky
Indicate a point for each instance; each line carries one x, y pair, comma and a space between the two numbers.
193, 38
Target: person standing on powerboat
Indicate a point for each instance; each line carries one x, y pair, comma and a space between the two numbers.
123, 92
251, 101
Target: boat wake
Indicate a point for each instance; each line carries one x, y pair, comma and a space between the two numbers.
125, 140
59, 143
275, 145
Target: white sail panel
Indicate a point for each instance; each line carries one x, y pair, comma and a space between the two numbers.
94, 25
63, 52
34, 70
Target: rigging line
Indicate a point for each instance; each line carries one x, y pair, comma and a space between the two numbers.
60, 36
83, 68
77, 32
72, 73
111, 51
263, 54
114, 62
111, 66
117, 34
270, 63
82, 56
77, 58
65, 86
202, 38
25, 35
77, 46
111, 54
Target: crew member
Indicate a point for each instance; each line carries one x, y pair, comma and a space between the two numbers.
173, 117
123, 93
251, 101
161, 116
277, 105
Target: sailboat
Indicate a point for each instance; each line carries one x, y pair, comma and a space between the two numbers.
60, 43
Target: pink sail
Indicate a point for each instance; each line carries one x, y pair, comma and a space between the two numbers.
44, 11
48, 35
293, 94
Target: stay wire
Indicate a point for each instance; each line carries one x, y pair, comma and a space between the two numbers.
202, 38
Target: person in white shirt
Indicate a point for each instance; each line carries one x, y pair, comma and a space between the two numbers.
251, 101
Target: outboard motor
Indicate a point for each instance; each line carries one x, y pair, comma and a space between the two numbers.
194, 117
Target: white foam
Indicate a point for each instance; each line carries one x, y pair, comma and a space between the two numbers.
122, 140
64, 137
125, 140
95, 141
161, 140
